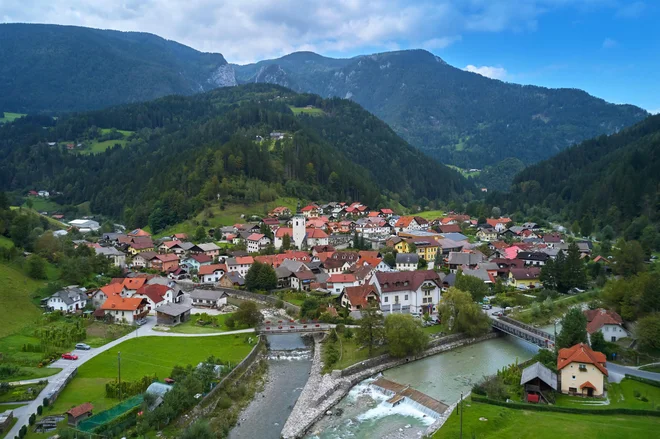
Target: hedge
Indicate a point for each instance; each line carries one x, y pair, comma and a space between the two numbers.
653, 383
573, 410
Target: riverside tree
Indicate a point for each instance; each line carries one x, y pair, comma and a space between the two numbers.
573, 329
371, 331
404, 335
461, 314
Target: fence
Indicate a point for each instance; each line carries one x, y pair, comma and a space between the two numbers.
106, 416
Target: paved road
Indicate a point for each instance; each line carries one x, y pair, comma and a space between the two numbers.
617, 373
67, 366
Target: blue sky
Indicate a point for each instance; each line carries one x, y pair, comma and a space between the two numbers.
610, 48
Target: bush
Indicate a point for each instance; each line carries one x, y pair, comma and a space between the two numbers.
230, 322
40, 410
45, 402
348, 333
32, 419
279, 304
340, 328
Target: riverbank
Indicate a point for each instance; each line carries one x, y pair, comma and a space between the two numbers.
322, 392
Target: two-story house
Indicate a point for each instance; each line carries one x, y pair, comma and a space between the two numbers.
414, 292
69, 299
582, 371
256, 242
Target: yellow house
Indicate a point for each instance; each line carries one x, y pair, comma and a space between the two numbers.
582, 370
487, 235
427, 250
140, 246
528, 277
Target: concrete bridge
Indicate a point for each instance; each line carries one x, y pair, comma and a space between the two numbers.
524, 332
287, 326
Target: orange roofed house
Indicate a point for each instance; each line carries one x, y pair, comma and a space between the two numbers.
125, 309
582, 370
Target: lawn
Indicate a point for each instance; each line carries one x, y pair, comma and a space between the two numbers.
435, 329
621, 395
6, 242
352, 353
430, 214
15, 291
97, 147
145, 356
10, 406
230, 215
41, 204
191, 327
10, 117
655, 368
310, 111
507, 423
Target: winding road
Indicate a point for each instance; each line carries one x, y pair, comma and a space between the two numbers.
68, 366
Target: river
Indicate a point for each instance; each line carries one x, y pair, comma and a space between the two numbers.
289, 365
365, 414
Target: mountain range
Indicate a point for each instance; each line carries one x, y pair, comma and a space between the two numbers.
452, 115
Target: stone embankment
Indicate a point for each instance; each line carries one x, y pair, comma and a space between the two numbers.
322, 392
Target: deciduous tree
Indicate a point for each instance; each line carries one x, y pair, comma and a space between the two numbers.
404, 335
371, 331
573, 329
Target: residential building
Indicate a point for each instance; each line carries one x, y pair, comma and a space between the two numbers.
232, 279
210, 249
208, 298
411, 223
143, 259
311, 211
337, 282
99, 296
458, 260
487, 234
315, 237
280, 211
155, 295
240, 264
139, 245
538, 382
356, 298
165, 263
523, 278
211, 273
536, 259
302, 280
194, 262
607, 322
125, 309
139, 233
582, 371
257, 242
118, 258
407, 261
414, 292
69, 299
426, 249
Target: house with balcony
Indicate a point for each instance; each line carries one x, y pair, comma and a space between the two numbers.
414, 292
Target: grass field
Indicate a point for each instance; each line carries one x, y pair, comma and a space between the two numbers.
145, 356
504, 423
24, 392
310, 111
10, 406
352, 353
190, 327
466, 173
430, 214
229, 216
10, 117
15, 290
5, 242
655, 369
100, 146
43, 204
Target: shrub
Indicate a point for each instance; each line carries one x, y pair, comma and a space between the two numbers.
40, 410
348, 333
279, 304
636, 393
45, 402
32, 419
230, 322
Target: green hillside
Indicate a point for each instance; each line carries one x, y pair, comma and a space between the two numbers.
15, 299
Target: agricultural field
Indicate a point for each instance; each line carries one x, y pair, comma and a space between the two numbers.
430, 214
495, 422
465, 172
96, 146
10, 117
145, 356
42, 204
313, 111
15, 299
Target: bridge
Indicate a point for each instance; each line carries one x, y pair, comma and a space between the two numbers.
284, 327
523, 331
399, 393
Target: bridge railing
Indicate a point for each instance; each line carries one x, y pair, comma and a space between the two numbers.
527, 327
541, 340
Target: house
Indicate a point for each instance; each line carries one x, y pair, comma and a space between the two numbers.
99, 296
414, 292
139, 245
240, 264
208, 298
523, 278
536, 259
411, 223
79, 413
302, 280
386, 213
211, 273
139, 233
337, 282
118, 258
316, 237
499, 224
231, 279
125, 309
210, 249
582, 371
280, 211
131, 284
538, 381
356, 298
155, 295
257, 242
458, 260
283, 277
426, 249
165, 263
70, 299
85, 225
552, 239
310, 211
609, 323
449, 228
322, 249
143, 259
194, 262
397, 243
44, 194
487, 234
178, 237
171, 314
407, 261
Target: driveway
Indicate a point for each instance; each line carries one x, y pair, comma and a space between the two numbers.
618, 372
54, 381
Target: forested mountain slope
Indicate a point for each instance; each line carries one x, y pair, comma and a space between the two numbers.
610, 180
459, 117
185, 151
66, 68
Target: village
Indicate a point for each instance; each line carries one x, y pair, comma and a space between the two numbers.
327, 264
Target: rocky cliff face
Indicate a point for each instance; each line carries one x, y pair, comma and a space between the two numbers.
223, 76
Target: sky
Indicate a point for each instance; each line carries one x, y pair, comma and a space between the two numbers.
610, 48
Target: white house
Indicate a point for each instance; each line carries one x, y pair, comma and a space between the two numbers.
208, 298
70, 299
155, 295
256, 242
407, 261
607, 322
337, 282
315, 237
118, 258
414, 292
125, 309
240, 264
212, 273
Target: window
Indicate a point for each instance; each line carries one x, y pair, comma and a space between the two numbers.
583, 367
396, 299
386, 299
405, 297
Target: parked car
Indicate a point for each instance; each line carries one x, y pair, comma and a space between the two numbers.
69, 356
83, 346
497, 313
141, 322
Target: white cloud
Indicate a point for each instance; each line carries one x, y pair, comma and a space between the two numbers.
246, 31
609, 43
656, 111
488, 71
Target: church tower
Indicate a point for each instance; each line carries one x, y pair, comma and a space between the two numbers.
299, 233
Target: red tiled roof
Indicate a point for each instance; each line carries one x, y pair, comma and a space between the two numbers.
396, 281
170, 244
309, 208
202, 258
316, 233
387, 211
404, 221
138, 232
341, 278
495, 221
284, 231
450, 228
122, 303
587, 385
181, 235
208, 269
597, 318
133, 283
81, 409
169, 257
358, 295
139, 244
111, 289
155, 292
244, 260
373, 214
581, 353
255, 237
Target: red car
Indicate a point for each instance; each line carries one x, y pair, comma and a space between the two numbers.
69, 356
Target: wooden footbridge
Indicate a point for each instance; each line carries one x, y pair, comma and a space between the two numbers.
401, 393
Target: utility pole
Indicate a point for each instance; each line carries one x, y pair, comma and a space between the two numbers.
119, 370
461, 437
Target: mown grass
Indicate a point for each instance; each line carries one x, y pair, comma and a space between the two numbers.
310, 111
465, 172
10, 117
620, 395
6, 242
504, 423
41, 204
191, 326
352, 353
97, 147
430, 214
15, 302
655, 369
